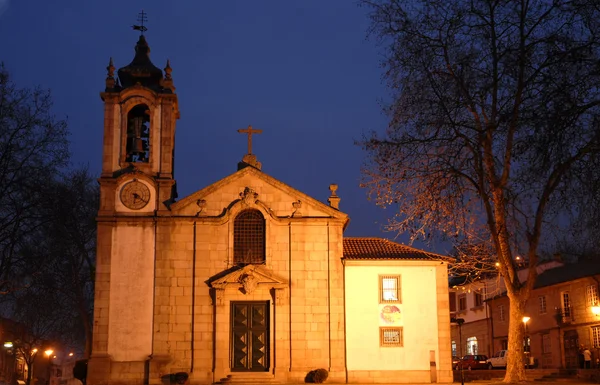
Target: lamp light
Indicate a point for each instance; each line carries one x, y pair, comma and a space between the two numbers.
8, 344
596, 309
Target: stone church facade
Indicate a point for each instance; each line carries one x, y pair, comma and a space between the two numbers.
248, 279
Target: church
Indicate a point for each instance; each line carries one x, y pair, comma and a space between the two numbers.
247, 279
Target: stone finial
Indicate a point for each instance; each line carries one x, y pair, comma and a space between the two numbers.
297, 206
167, 81
110, 75
168, 70
334, 200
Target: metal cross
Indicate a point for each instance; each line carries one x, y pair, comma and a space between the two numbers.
141, 19
249, 131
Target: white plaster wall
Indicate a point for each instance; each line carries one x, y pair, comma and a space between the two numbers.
419, 318
131, 293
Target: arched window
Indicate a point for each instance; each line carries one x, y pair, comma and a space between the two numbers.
249, 238
138, 134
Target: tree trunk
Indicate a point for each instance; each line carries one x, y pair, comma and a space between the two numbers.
515, 365
29, 368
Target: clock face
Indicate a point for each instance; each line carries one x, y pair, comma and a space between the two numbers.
135, 195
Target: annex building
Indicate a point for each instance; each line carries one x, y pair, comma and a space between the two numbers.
248, 277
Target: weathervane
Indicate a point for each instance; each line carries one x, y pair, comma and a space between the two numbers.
141, 19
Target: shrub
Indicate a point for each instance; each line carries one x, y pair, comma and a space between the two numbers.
317, 376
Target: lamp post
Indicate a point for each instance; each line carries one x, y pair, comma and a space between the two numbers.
49, 352
460, 322
526, 342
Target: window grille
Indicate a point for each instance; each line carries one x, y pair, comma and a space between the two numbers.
542, 304
592, 295
596, 336
249, 238
389, 288
390, 337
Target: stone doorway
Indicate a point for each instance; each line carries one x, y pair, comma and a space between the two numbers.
250, 336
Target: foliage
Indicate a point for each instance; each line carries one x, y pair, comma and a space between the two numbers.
494, 131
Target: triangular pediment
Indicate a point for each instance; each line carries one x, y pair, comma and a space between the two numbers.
278, 199
247, 276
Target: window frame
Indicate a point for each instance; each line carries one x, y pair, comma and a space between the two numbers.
565, 303
546, 343
591, 293
383, 290
478, 298
383, 330
595, 336
461, 297
501, 315
542, 305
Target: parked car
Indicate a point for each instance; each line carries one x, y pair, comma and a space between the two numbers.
472, 361
498, 360
455, 361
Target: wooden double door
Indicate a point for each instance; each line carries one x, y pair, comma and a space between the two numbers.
250, 336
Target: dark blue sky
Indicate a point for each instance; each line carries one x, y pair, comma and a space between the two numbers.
302, 71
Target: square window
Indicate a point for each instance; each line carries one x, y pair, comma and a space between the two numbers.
390, 337
389, 288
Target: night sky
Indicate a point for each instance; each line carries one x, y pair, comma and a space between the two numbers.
304, 72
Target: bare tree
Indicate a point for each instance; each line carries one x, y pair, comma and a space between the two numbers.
33, 148
494, 131
61, 255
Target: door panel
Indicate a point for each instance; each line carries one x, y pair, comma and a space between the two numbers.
250, 336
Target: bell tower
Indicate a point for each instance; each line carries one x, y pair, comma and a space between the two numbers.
140, 111
137, 186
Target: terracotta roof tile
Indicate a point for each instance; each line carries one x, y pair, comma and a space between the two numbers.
379, 248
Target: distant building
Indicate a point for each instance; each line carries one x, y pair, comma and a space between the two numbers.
471, 302
561, 316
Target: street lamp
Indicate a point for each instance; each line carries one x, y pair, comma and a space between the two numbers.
526, 342
49, 352
596, 309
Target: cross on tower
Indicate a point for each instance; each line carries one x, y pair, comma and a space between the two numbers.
249, 131
142, 18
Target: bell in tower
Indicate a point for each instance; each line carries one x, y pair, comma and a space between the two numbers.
138, 134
